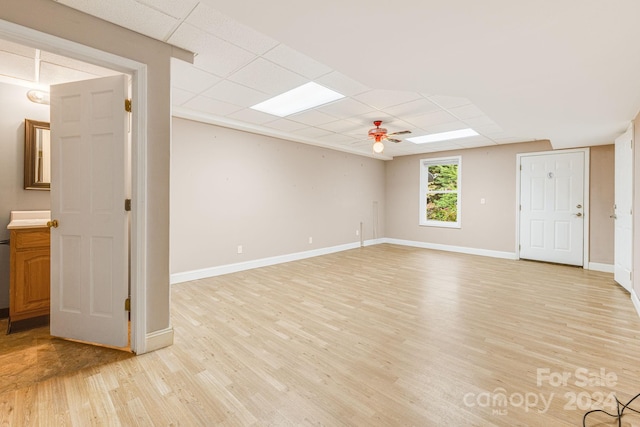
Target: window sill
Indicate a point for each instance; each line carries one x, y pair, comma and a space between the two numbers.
441, 224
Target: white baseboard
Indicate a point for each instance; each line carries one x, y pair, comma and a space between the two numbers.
374, 242
605, 268
636, 301
449, 248
263, 262
158, 339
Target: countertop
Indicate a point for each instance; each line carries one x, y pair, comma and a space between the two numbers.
29, 219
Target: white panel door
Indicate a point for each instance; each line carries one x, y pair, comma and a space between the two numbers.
551, 207
623, 259
89, 273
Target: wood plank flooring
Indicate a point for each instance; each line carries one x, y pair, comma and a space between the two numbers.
31, 356
379, 336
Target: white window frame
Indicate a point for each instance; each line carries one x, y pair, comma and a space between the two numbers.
424, 170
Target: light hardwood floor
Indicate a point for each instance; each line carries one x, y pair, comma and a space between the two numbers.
379, 336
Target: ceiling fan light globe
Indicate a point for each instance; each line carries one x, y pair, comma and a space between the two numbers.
378, 147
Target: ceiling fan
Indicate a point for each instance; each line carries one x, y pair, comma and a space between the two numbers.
378, 134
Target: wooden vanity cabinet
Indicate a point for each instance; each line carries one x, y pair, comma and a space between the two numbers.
30, 273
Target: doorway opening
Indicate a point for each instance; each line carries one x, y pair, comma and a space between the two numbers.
94, 58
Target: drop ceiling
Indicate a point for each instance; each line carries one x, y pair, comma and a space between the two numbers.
512, 71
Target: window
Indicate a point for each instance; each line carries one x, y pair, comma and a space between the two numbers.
440, 191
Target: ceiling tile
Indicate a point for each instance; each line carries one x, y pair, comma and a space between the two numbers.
252, 116
445, 127
496, 135
479, 121
179, 96
431, 119
362, 142
341, 83
234, 93
367, 119
381, 99
448, 101
412, 108
392, 124
129, 14
267, 77
340, 126
177, 9
285, 125
186, 76
17, 66
466, 112
312, 117
220, 25
296, 62
487, 129
211, 106
212, 53
51, 74
346, 107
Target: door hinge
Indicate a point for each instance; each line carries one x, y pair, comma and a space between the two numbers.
127, 105
520, 207
127, 205
127, 304
519, 247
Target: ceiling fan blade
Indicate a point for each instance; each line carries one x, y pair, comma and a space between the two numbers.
402, 132
393, 140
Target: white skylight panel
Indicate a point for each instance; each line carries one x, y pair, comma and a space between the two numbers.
302, 98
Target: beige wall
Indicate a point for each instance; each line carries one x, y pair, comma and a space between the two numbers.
601, 186
231, 188
14, 108
53, 18
490, 173
487, 172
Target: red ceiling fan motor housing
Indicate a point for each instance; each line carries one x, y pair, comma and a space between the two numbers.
377, 133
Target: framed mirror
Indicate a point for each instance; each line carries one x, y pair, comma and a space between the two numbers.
37, 155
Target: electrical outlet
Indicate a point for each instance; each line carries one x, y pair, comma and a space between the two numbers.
310, 240
482, 201
239, 249
357, 232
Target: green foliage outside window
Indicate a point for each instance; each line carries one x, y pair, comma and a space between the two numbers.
442, 193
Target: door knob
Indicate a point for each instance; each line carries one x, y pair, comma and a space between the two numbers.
579, 214
578, 206
53, 223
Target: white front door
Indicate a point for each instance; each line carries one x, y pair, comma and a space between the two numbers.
552, 211
623, 259
89, 273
